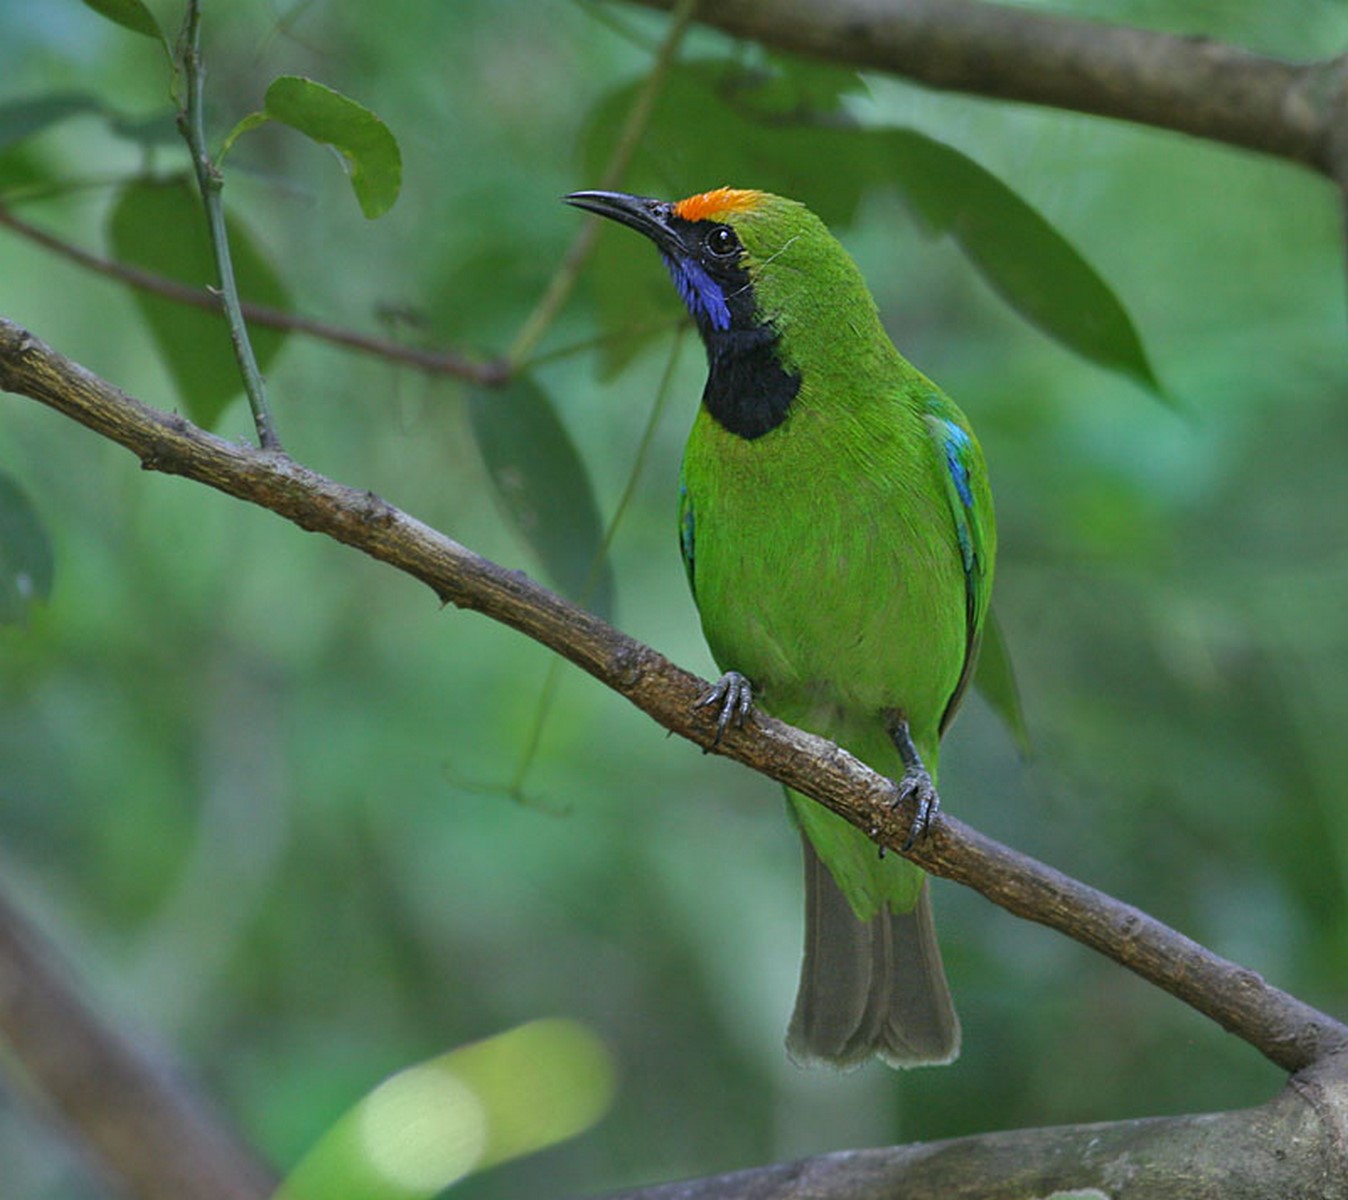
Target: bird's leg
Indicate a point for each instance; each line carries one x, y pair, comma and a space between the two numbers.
734, 696
916, 784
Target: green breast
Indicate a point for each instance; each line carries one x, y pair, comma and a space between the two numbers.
826, 566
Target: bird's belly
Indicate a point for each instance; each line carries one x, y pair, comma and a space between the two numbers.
833, 607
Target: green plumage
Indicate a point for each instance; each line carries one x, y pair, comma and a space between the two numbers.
841, 561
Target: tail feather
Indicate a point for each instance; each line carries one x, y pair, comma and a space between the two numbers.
869, 988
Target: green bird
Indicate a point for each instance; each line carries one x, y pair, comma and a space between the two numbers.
837, 528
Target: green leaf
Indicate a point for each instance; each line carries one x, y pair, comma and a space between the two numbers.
1034, 268
330, 118
26, 562
161, 226
20, 119
157, 129
787, 88
428, 1126
995, 679
714, 125
129, 14
545, 489
21, 170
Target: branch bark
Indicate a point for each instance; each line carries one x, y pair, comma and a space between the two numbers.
1283, 1028
145, 1128
1291, 1147
1189, 84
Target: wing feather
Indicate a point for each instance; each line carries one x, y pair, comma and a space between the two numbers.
966, 486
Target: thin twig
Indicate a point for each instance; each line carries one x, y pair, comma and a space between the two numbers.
488, 372
192, 125
1286, 1030
582, 245
452, 363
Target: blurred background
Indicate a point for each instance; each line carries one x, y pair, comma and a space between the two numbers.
259, 789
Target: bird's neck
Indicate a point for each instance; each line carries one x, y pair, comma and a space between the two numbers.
749, 392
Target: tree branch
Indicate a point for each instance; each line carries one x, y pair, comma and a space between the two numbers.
1189, 84
1291, 1147
144, 1126
1283, 1028
489, 372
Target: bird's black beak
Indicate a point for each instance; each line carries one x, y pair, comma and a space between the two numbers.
651, 217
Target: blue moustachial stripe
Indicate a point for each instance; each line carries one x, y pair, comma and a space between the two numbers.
700, 292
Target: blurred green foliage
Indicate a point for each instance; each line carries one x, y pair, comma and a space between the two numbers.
543, 487
432, 1124
254, 783
785, 125
158, 225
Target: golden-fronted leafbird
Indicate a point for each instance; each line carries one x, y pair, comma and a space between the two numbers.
837, 528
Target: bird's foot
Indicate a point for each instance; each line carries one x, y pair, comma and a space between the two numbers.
916, 788
916, 784
733, 695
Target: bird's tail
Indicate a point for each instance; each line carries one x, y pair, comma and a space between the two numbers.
869, 987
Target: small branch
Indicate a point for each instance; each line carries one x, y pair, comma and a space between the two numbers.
1008, 52
1283, 1028
147, 1129
488, 372
564, 279
191, 122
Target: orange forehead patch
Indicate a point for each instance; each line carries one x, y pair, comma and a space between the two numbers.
718, 203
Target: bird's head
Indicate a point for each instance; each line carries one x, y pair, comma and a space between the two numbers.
737, 257
778, 301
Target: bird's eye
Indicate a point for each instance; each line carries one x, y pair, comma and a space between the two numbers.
722, 242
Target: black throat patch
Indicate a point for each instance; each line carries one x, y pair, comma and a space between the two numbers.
748, 390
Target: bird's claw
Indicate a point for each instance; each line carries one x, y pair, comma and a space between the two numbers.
916, 784
734, 696
917, 788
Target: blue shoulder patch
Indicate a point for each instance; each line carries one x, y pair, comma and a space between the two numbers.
700, 292
955, 442
955, 445
960, 467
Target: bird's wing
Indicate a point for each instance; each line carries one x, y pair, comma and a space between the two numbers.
686, 533
966, 488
